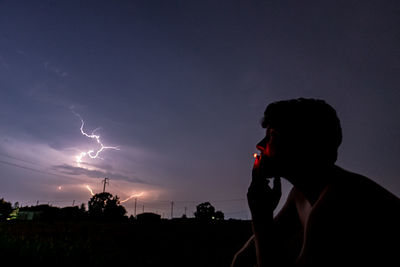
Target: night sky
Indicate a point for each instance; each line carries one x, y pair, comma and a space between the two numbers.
180, 88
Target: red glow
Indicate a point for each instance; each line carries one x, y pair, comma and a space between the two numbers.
268, 151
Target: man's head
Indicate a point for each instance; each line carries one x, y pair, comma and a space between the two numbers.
302, 131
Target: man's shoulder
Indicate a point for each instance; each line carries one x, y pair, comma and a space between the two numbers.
354, 185
356, 209
353, 195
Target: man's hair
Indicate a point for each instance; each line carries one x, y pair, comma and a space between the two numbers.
311, 123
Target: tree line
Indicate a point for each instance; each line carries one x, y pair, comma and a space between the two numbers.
102, 206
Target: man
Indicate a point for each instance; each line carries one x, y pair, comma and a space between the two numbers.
332, 217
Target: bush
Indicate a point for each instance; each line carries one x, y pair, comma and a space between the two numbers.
5, 209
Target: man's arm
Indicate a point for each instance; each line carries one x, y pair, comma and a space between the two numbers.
246, 256
283, 221
279, 243
262, 201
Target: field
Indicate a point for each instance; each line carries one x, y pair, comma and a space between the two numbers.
162, 243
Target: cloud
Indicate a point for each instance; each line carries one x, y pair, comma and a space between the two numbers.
55, 70
71, 170
99, 166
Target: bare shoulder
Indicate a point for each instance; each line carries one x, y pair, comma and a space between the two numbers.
361, 189
355, 214
353, 202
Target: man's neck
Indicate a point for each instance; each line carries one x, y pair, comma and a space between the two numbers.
312, 182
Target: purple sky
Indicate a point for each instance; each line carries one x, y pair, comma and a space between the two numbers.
180, 87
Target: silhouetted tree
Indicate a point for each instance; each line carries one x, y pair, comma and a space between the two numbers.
105, 206
5, 209
83, 208
219, 215
206, 212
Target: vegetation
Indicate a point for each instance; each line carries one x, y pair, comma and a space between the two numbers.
182, 242
104, 236
105, 206
206, 212
5, 209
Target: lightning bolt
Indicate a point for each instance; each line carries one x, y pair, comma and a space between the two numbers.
122, 201
132, 196
90, 190
91, 153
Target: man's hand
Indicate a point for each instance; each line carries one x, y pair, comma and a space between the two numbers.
261, 197
262, 201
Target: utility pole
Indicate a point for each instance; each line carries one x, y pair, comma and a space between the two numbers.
73, 203
37, 202
185, 211
135, 205
105, 181
172, 209
143, 209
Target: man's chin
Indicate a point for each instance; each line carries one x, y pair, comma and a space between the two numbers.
271, 168
271, 174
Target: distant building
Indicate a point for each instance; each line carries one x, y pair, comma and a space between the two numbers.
148, 217
37, 212
29, 215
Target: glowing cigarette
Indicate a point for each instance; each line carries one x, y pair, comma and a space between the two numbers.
255, 155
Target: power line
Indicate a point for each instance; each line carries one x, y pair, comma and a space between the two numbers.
23, 160
228, 200
154, 204
32, 169
107, 181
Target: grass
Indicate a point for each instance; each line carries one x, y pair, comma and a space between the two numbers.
163, 243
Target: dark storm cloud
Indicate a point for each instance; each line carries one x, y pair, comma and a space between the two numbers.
99, 166
71, 170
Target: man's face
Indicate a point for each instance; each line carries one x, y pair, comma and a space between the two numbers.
281, 154
269, 144
270, 148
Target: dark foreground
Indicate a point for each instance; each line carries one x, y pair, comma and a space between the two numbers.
163, 243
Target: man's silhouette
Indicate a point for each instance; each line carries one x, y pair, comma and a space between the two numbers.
332, 217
